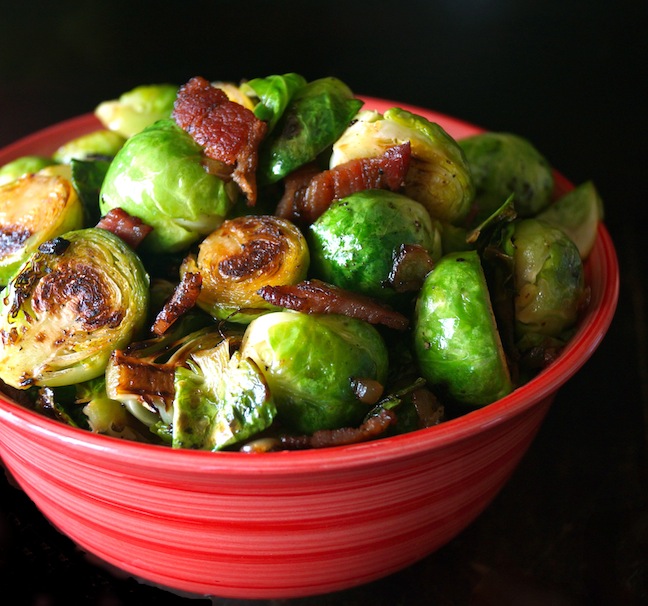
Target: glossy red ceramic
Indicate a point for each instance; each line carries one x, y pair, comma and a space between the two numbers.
286, 524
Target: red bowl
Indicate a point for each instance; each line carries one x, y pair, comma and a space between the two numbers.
286, 524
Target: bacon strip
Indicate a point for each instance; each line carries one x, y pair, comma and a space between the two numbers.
184, 297
315, 296
372, 428
130, 229
228, 132
309, 194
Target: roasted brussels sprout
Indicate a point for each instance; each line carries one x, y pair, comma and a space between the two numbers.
138, 108
548, 280
73, 301
33, 209
456, 340
503, 164
578, 213
314, 118
241, 256
354, 243
23, 166
159, 177
310, 362
220, 400
102, 143
438, 177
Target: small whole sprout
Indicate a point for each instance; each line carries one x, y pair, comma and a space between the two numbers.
34, 209
312, 364
99, 143
159, 177
456, 339
71, 303
503, 164
355, 241
438, 177
138, 108
243, 255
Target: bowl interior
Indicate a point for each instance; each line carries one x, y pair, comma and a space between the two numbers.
602, 273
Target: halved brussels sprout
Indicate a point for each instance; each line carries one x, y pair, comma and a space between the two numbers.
34, 209
354, 242
438, 177
241, 256
578, 213
103, 143
71, 303
220, 400
159, 177
503, 164
456, 340
314, 118
548, 278
311, 362
23, 166
138, 108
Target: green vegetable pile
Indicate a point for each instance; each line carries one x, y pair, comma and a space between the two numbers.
474, 251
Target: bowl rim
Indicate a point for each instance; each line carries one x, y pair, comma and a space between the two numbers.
590, 332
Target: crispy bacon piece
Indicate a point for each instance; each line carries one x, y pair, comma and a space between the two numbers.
228, 132
308, 193
130, 229
373, 427
412, 263
315, 296
184, 297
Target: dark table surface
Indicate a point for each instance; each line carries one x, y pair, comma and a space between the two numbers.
571, 526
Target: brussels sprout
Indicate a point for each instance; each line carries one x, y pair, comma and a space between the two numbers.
548, 279
354, 242
504, 164
578, 213
456, 340
105, 415
33, 209
158, 176
71, 303
103, 143
221, 400
137, 108
310, 363
23, 166
317, 115
241, 256
438, 177
274, 94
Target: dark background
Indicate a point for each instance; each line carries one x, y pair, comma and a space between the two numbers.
572, 525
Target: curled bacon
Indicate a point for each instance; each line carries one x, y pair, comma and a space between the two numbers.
228, 132
184, 297
372, 428
315, 296
309, 193
130, 229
